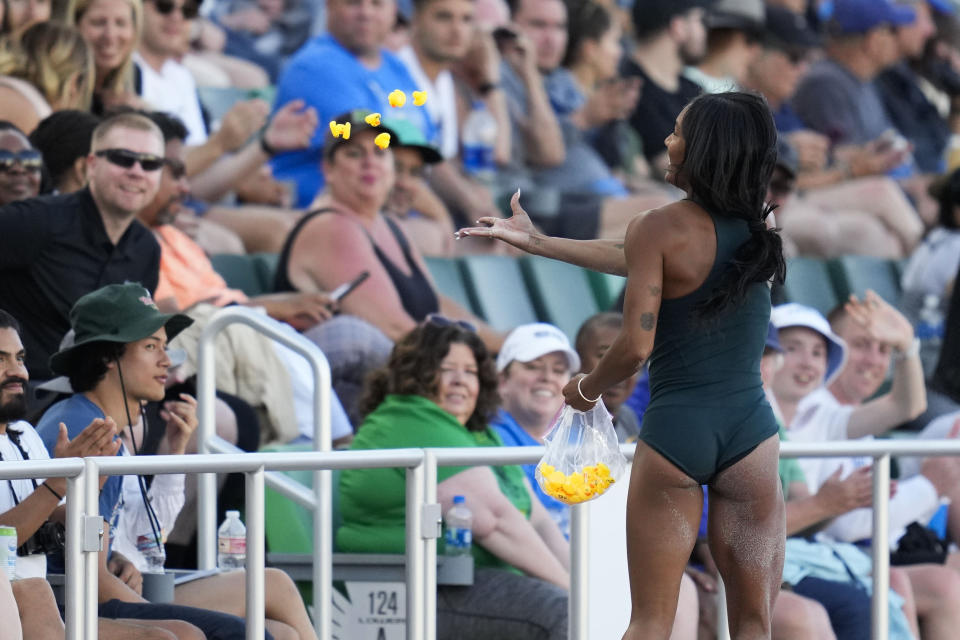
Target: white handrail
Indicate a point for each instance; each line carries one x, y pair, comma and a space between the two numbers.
83, 479
321, 501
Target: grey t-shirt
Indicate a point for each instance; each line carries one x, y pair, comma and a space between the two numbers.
833, 101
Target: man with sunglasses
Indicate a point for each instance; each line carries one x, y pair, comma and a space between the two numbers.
20, 165
54, 249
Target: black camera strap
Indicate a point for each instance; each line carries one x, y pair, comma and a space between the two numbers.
14, 437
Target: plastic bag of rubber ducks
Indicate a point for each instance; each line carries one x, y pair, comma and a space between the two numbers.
583, 456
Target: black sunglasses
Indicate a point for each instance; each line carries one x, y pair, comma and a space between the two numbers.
126, 159
438, 320
166, 7
28, 160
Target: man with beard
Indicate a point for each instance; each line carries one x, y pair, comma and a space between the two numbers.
670, 36
54, 249
30, 505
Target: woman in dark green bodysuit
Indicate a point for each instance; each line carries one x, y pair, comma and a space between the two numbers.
697, 306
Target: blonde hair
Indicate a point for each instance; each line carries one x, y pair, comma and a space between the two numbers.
126, 120
50, 56
119, 80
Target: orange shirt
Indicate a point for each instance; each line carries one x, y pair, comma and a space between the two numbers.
186, 273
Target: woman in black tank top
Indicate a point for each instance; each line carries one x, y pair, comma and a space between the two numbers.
334, 244
697, 306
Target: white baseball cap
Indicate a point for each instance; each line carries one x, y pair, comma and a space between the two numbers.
530, 341
797, 315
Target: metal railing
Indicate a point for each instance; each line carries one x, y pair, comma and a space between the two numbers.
318, 500
421, 483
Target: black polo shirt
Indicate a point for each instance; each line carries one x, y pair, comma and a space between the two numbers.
55, 249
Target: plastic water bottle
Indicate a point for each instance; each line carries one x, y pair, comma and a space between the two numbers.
930, 332
479, 136
152, 551
232, 542
458, 537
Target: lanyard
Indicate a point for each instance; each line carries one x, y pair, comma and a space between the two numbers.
14, 437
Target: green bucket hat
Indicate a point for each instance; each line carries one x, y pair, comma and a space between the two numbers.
116, 313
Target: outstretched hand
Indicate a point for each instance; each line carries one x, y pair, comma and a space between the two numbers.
517, 230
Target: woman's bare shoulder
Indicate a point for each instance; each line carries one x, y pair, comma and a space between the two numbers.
664, 222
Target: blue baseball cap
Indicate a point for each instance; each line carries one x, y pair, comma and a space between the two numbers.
860, 16
942, 6
773, 339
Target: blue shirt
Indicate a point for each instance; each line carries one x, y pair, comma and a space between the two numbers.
77, 412
513, 435
333, 81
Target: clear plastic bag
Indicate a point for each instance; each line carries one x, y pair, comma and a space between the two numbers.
583, 456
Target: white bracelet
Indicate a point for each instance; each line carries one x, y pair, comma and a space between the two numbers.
911, 352
580, 391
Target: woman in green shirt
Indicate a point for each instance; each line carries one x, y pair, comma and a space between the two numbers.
439, 389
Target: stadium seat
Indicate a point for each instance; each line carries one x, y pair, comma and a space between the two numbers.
606, 288
240, 272
856, 274
265, 265
217, 101
497, 290
808, 282
449, 280
560, 292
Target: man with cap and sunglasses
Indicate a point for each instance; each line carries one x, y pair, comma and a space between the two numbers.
117, 363
54, 249
845, 205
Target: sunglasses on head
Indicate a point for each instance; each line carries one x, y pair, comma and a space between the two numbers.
166, 7
126, 159
28, 160
437, 320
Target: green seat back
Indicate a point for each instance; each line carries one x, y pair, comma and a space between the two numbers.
449, 280
560, 292
497, 290
606, 288
856, 274
240, 273
808, 282
217, 101
265, 265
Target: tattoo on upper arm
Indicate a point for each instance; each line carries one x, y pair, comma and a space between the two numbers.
654, 290
647, 321
619, 245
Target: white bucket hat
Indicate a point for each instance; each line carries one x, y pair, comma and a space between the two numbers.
797, 315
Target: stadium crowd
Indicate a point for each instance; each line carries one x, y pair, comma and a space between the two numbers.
145, 143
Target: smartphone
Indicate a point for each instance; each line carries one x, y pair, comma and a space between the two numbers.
347, 287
